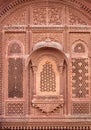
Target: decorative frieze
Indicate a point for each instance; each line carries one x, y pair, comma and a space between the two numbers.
53, 36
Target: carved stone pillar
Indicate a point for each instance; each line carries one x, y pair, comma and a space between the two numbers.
0, 73
60, 68
34, 70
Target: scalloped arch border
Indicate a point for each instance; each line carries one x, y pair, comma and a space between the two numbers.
78, 4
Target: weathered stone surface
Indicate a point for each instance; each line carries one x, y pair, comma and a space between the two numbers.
45, 59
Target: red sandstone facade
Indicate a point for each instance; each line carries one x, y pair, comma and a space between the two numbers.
45, 64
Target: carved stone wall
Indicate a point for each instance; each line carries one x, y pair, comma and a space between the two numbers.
49, 84
42, 36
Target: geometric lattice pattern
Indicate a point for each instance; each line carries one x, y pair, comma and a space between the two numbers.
15, 108
47, 78
80, 78
15, 77
15, 48
79, 48
80, 108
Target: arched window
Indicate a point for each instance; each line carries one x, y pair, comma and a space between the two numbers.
15, 71
14, 48
47, 77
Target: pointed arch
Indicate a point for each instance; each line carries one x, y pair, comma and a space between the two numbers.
79, 47
15, 48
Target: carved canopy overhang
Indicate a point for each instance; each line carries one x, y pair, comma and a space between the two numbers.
47, 45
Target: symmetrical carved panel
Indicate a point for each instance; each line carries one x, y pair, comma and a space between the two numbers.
55, 15
45, 73
79, 48
14, 49
48, 77
80, 78
42, 36
49, 104
80, 108
39, 16
47, 81
15, 108
15, 78
47, 15
47, 97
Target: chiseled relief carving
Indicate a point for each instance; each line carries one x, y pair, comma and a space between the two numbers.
42, 36
80, 108
48, 70
80, 79
74, 19
55, 15
14, 108
47, 98
17, 18
39, 15
80, 72
47, 15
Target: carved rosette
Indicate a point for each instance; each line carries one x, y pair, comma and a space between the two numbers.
47, 104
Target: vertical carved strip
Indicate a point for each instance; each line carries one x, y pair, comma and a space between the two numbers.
80, 78
0, 73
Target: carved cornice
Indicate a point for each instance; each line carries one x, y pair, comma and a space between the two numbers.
35, 29
46, 126
73, 3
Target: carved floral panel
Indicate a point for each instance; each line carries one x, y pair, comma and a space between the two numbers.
55, 16
74, 19
39, 16
42, 36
